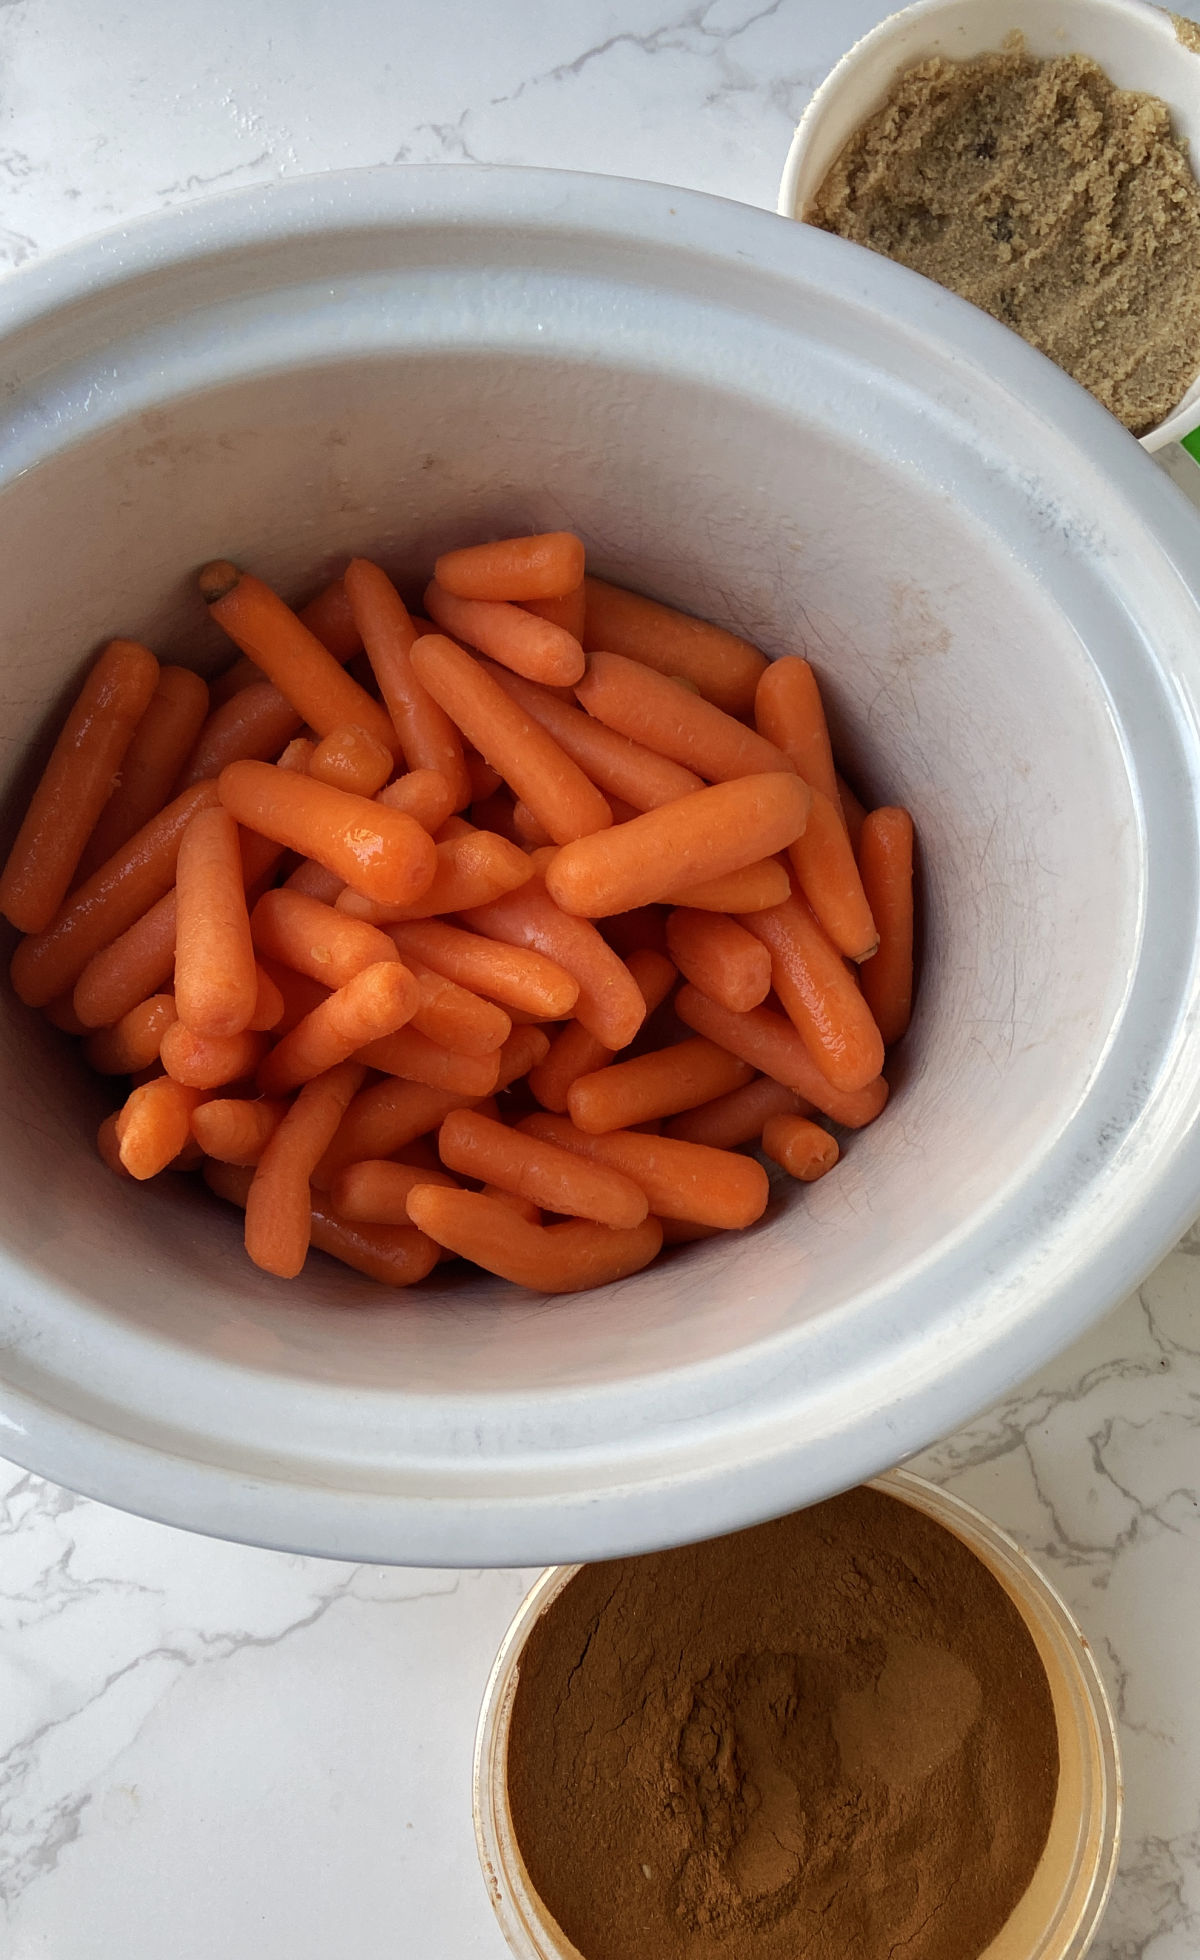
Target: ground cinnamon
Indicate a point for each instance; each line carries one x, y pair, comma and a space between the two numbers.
828, 1738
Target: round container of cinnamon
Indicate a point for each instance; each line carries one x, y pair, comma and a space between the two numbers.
870, 1728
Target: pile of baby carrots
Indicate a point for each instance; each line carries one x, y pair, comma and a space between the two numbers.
495, 933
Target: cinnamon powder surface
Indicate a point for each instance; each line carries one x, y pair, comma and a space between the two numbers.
827, 1738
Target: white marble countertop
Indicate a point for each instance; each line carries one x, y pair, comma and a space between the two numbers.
209, 1750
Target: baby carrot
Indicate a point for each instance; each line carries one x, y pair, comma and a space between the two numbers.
804, 1149
61, 1014
516, 638
681, 1180
472, 869
298, 992
138, 962
823, 862
350, 758
618, 766
528, 831
547, 1258
678, 1231
208, 1061
454, 1017
236, 1131
543, 566
886, 858
161, 744
739, 1117
375, 1190
723, 667
660, 1083
788, 712
853, 812
609, 1004
380, 852
313, 938
413, 1056
222, 687
313, 881
524, 1208
278, 1203
134, 1041
720, 957
750, 890
512, 975
575, 1051
664, 716
394, 1255
76, 784
428, 737
423, 794
769, 1042
253, 726
484, 780
704, 835
216, 986
819, 995
330, 617
108, 1146
531, 1168
268, 1002
569, 611
374, 1003
153, 1126
531, 762
116, 895
292, 657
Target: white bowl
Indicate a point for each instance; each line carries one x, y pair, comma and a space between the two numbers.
765, 425
1137, 45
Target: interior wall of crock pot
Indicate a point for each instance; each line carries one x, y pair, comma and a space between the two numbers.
957, 687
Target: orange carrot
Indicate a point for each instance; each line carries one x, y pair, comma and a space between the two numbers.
161, 743
576, 1051
382, 1119
236, 1131
538, 771
472, 869
414, 1057
216, 985
153, 1126
720, 957
737, 1118
618, 766
278, 1203
61, 1014
375, 1190
655, 711
108, 1145
518, 639
394, 1255
804, 1149
350, 758
208, 1061
331, 617
819, 995
140, 873
887, 869
705, 835
751, 890
222, 687
530, 833
610, 1004
298, 992
769, 1042
530, 1168
313, 881
292, 657
853, 812
681, 1180
679, 1231
788, 712
823, 862
569, 611
253, 726
315, 939
547, 1258
375, 1002
454, 1017
544, 566
134, 1041
378, 851
484, 780
661, 1083
531, 1213
423, 794
512, 975
723, 667
137, 963
428, 737
76, 784
268, 1002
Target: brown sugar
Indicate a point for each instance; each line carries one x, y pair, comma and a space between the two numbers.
1063, 206
828, 1736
